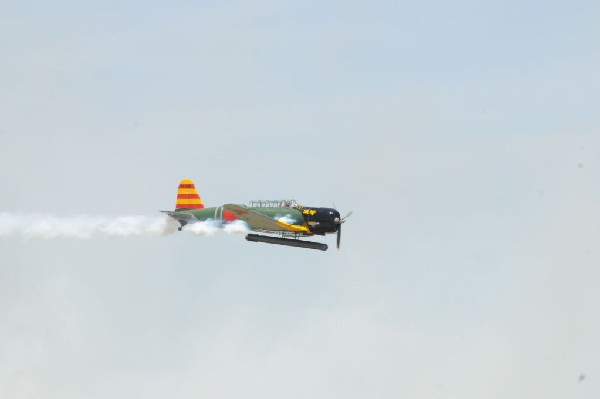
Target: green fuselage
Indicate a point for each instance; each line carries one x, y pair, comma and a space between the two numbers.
298, 220
290, 215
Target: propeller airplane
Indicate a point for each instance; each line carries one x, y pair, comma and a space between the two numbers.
284, 219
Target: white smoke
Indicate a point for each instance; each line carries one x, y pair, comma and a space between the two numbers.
237, 226
210, 227
287, 219
83, 226
204, 228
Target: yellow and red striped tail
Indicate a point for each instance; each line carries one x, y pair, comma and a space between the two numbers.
187, 196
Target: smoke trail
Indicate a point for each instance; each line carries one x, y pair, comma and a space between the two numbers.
83, 226
237, 226
210, 227
205, 228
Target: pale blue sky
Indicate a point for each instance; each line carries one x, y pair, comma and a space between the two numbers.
464, 135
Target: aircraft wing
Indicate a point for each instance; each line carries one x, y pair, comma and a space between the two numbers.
259, 221
181, 216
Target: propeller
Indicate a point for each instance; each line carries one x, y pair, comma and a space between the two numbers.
339, 231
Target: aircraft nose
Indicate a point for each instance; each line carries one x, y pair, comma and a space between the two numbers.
336, 217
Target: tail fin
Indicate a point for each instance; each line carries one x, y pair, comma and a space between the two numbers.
187, 196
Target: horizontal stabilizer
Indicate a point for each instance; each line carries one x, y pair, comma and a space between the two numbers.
181, 216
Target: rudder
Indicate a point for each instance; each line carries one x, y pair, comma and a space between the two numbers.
187, 196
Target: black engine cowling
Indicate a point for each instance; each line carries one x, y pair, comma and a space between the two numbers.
321, 220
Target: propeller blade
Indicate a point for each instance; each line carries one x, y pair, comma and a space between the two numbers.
347, 216
339, 236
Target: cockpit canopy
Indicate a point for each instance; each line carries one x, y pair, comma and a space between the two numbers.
285, 203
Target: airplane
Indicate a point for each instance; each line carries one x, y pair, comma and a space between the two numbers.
283, 218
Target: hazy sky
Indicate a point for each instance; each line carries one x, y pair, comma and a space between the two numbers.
465, 136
